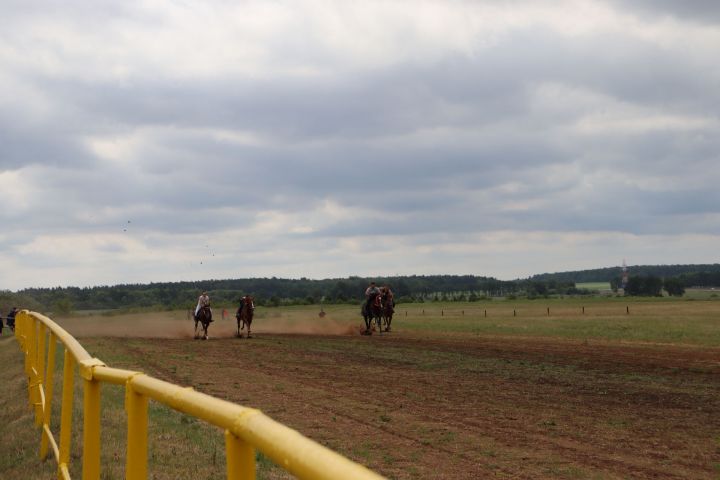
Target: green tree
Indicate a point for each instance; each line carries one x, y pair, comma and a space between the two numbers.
63, 306
644, 285
674, 286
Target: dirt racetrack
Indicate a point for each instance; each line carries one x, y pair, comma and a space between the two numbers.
411, 405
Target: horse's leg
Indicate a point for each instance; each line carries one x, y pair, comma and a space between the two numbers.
363, 312
249, 336
205, 327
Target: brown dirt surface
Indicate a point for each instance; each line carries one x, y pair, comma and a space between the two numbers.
434, 407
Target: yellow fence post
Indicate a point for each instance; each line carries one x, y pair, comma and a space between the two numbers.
35, 383
30, 357
21, 334
40, 378
136, 406
66, 412
240, 458
91, 420
49, 387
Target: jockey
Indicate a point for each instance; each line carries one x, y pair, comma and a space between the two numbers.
203, 301
370, 293
242, 303
245, 299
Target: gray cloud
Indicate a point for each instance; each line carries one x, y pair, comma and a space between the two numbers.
701, 11
315, 146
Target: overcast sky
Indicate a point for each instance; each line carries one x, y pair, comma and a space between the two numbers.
147, 141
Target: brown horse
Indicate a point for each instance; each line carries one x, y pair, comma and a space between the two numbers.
244, 315
204, 317
387, 310
372, 313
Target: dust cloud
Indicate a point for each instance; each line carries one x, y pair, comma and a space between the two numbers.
177, 325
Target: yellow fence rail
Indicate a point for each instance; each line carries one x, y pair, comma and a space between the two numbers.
246, 429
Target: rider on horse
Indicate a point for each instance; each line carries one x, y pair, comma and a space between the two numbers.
370, 293
243, 301
203, 302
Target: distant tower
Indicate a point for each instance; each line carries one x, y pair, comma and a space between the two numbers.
624, 275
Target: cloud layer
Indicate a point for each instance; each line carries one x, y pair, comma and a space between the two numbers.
158, 141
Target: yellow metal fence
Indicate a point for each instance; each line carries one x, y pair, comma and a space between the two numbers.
246, 429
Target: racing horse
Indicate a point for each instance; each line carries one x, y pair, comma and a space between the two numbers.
244, 315
204, 317
372, 313
387, 310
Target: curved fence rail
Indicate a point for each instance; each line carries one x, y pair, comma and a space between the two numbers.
246, 429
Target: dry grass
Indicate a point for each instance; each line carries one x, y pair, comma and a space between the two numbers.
343, 389
19, 438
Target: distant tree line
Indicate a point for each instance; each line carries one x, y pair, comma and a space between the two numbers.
649, 286
652, 285
693, 275
700, 279
280, 291
647, 280
415, 288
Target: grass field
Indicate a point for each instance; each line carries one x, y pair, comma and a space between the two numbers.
590, 388
594, 286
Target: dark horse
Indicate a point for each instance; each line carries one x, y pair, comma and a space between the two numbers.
244, 315
10, 319
387, 310
371, 314
204, 317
